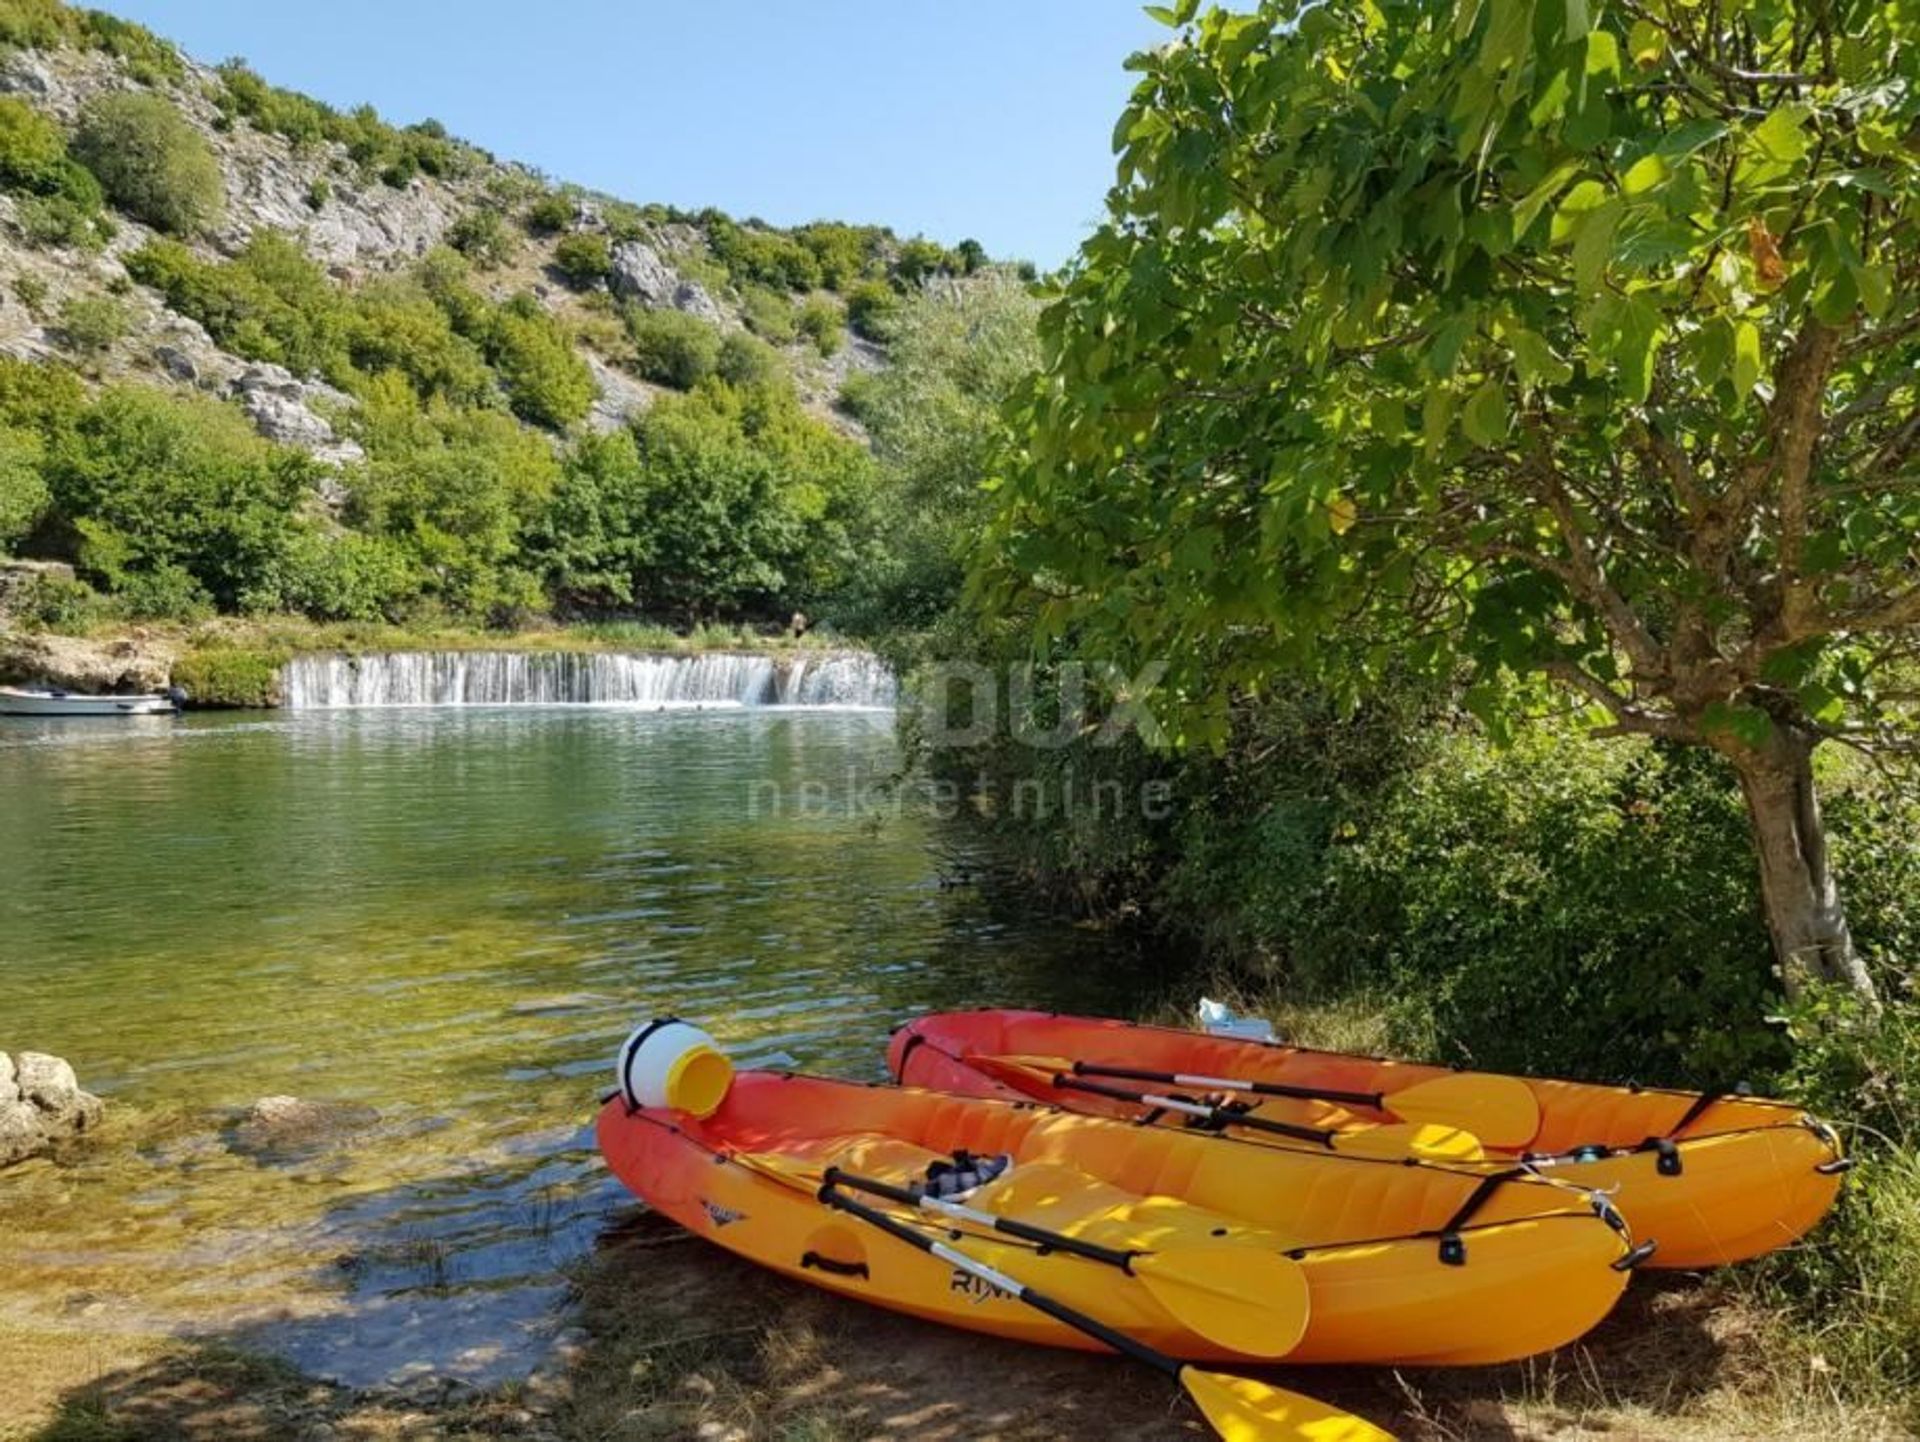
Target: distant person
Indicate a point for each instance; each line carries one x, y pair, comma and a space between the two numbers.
799, 625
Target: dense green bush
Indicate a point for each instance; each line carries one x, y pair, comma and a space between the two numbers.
272, 302
90, 324
748, 362
551, 214
583, 259
482, 237
920, 260
347, 576
151, 162
769, 314
44, 24
546, 380
767, 257
394, 154
821, 322
871, 306
672, 348
231, 676
33, 148
844, 253
24, 496
164, 488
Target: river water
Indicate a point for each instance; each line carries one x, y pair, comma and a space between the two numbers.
440, 923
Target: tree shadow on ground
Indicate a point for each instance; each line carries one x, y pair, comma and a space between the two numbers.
687, 1341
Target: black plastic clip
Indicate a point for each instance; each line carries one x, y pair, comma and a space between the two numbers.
833, 1268
1453, 1251
1635, 1257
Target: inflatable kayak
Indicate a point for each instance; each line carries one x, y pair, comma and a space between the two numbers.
1711, 1177
1166, 1237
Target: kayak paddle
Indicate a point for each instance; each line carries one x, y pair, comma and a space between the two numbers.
1447, 1144
1239, 1408
1240, 1298
1500, 1110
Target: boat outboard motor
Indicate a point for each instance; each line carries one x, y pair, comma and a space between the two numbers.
674, 1064
178, 695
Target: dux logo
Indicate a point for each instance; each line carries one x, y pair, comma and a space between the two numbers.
721, 1216
975, 1290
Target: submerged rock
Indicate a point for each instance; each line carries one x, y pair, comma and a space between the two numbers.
280, 1126
41, 1105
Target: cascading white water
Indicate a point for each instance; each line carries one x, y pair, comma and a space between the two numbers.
844, 679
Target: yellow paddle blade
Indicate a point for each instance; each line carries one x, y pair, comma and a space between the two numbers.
1432, 1142
1248, 1301
1243, 1410
1501, 1111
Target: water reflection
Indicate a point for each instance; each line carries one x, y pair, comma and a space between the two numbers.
449, 918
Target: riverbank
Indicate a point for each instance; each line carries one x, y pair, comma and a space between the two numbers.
236, 663
679, 1340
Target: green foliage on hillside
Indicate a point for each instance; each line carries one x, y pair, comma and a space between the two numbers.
47, 24
152, 163
584, 259
482, 236
393, 153
59, 200
672, 348
871, 305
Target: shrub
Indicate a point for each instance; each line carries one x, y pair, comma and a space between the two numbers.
672, 348
482, 237
50, 220
33, 149
845, 253
748, 362
820, 322
546, 380
765, 256
272, 302
921, 259
871, 307
583, 259
152, 163
24, 496
157, 481
319, 192
31, 291
164, 592
349, 577
396, 326
550, 214
231, 676
769, 314
91, 324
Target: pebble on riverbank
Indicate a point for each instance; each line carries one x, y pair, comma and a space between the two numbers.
41, 1105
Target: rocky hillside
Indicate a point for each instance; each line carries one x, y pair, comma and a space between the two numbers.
477, 392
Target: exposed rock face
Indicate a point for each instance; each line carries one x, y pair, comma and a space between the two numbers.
621, 397
41, 1105
640, 274
126, 665
281, 406
19, 579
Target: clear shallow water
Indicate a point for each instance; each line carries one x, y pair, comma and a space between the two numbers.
444, 921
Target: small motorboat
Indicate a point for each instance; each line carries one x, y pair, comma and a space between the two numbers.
51, 701
1716, 1176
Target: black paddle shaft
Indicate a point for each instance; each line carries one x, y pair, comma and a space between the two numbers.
1060, 1312
1011, 1226
1217, 1114
1376, 1100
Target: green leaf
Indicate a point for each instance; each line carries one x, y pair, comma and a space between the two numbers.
1534, 360
1745, 723
1593, 246
1645, 173
1527, 209
1782, 136
1646, 42
1485, 418
1747, 362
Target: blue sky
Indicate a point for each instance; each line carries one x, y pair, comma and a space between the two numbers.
989, 119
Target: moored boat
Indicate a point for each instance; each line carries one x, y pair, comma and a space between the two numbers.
22, 701
1714, 1177
1380, 1261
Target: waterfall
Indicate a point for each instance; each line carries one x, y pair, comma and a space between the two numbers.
843, 679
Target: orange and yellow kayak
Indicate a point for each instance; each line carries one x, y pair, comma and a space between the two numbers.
1384, 1261
1711, 1178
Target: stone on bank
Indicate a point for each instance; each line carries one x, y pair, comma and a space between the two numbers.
41, 1105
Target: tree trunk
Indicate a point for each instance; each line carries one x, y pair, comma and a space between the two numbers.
1804, 911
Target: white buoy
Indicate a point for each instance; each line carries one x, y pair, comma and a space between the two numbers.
673, 1064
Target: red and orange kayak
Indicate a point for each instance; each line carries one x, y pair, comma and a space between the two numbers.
1711, 1178
1394, 1261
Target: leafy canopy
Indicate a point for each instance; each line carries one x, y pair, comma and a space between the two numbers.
1568, 339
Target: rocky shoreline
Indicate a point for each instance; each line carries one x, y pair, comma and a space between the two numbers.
42, 1107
